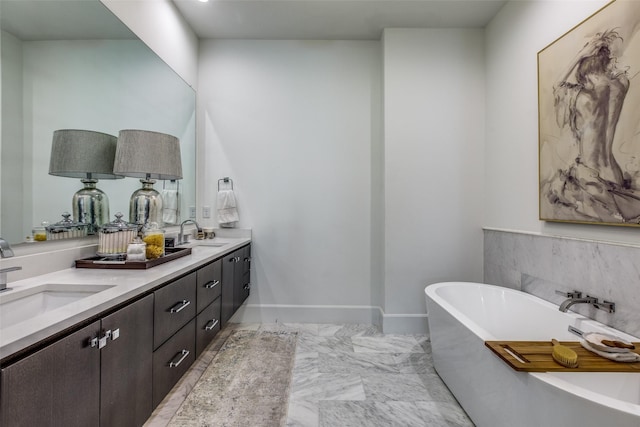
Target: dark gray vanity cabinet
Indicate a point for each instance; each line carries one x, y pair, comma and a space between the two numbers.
97, 376
57, 386
236, 269
119, 365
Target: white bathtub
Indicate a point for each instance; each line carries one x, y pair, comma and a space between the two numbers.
464, 315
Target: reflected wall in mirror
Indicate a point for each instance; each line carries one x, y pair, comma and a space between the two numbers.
73, 65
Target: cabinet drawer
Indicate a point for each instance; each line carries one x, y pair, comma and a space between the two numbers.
175, 305
209, 280
207, 325
172, 360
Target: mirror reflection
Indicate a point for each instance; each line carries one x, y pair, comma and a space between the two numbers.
74, 65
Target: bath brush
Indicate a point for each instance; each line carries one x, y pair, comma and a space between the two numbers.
564, 355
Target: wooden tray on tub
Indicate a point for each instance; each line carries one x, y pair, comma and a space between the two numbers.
536, 357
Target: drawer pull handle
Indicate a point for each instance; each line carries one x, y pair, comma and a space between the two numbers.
213, 284
180, 306
182, 355
211, 324
247, 286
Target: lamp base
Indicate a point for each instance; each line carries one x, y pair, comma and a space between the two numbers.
145, 205
90, 206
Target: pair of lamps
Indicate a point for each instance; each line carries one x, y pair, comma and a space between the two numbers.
91, 156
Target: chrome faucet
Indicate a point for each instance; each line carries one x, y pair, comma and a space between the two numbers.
5, 249
575, 297
5, 252
181, 235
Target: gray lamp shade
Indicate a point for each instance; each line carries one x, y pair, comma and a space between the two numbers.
147, 154
77, 153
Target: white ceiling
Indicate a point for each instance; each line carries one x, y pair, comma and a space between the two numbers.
329, 19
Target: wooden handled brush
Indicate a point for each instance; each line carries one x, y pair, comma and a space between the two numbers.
619, 344
564, 355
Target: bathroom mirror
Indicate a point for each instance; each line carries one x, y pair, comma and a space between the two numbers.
69, 64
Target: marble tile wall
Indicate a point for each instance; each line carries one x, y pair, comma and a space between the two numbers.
540, 265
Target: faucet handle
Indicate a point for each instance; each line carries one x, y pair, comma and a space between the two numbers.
607, 306
571, 294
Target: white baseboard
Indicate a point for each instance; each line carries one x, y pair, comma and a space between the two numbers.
285, 313
405, 324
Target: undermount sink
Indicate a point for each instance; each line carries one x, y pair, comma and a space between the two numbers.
215, 242
18, 306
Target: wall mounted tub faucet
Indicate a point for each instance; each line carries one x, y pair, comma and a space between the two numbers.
575, 297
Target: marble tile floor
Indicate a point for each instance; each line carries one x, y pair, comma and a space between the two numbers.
346, 376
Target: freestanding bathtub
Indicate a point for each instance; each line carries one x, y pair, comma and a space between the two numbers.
464, 315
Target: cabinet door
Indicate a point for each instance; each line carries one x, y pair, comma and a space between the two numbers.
229, 263
56, 386
126, 366
174, 306
209, 280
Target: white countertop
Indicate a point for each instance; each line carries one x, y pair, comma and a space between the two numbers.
126, 284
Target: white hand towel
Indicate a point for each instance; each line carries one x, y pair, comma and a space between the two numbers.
629, 356
170, 206
227, 210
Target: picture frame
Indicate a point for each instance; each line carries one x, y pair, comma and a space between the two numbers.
588, 126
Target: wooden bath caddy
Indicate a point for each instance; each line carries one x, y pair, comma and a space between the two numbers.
537, 357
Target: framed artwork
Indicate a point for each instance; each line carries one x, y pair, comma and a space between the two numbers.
589, 120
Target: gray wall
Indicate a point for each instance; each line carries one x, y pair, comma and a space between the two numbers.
540, 265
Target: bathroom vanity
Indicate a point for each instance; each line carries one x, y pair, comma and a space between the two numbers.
108, 359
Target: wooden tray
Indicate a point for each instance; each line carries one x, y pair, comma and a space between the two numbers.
100, 262
537, 357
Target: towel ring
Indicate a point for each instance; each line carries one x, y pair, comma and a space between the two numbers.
226, 180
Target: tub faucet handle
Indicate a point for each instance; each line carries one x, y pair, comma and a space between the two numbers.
607, 306
571, 294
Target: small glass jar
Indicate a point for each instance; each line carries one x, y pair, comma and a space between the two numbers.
115, 236
136, 251
153, 236
40, 232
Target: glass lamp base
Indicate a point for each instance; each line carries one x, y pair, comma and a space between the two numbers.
91, 206
145, 205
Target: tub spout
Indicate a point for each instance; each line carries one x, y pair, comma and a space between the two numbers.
571, 301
